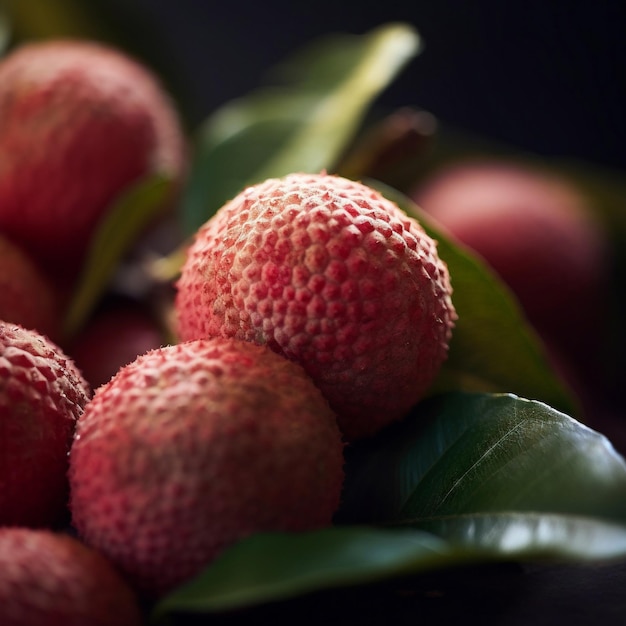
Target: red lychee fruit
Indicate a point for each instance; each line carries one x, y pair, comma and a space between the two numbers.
194, 446
41, 396
114, 337
26, 296
52, 579
538, 232
79, 123
330, 274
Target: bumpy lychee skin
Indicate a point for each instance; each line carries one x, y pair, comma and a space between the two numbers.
332, 275
194, 446
27, 298
42, 393
79, 123
52, 579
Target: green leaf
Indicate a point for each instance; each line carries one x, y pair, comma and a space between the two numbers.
277, 566
303, 125
493, 347
460, 455
272, 567
123, 222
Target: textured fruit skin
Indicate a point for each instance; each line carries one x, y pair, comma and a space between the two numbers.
51, 579
330, 274
79, 123
538, 233
194, 446
41, 396
113, 338
26, 296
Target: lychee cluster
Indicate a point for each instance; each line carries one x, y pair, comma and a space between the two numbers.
194, 446
80, 123
311, 311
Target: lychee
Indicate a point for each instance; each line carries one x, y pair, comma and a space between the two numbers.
332, 275
539, 233
112, 338
41, 396
52, 579
26, 297
194, 446
79, 123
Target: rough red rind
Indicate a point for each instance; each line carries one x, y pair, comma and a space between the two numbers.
194, 446
26, 297
330, 274
41, 396
79, 122
50, 579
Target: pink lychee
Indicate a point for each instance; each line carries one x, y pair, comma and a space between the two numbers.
52, 579
194, 446
79, 123
332, 275
41, 396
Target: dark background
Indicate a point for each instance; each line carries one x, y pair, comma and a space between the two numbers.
545, 76
548, 76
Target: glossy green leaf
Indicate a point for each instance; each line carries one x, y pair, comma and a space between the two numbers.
124, 222
465, 479
272, 567
302, 124
459, 455
527, 536
493, 347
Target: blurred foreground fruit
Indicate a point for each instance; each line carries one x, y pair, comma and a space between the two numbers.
330, 274
539, 234
26, 297
194, 446
112, 338
50, 579
79, 123
41, 396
